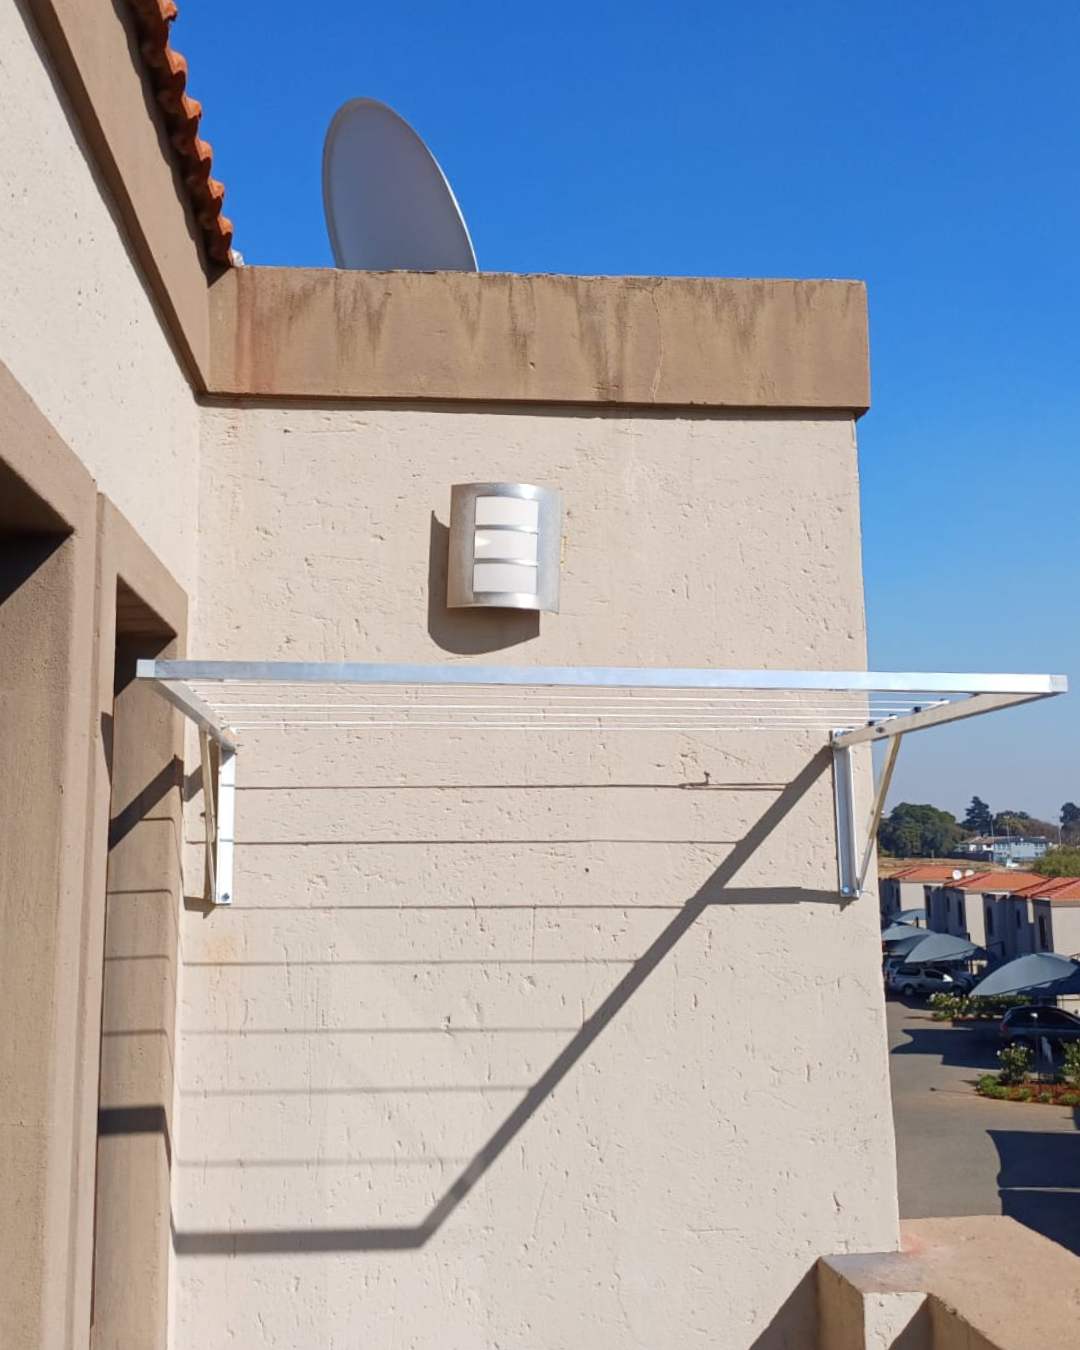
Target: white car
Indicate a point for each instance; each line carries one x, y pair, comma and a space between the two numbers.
908, 980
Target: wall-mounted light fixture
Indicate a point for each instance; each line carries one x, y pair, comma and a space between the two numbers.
505, 545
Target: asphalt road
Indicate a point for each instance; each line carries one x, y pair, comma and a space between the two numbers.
962, 1154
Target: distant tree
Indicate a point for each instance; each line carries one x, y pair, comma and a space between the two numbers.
978, 819
1070, 815
1001, 818
1020, 823
914, 830
1059, 862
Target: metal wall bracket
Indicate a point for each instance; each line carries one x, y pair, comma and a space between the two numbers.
219, 815
847, 866
853, 866
217, 752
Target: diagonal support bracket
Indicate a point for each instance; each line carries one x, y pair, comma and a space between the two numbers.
853, 865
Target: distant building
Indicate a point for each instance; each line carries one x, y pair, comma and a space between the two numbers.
1009, 913
910, 887
1004, 849
1055, 916
988, 908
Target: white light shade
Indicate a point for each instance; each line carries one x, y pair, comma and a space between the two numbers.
503, 578
519, 512
505, 544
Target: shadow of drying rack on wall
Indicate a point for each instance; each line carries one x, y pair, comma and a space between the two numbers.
833, 712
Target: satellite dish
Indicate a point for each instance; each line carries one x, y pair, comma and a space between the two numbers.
388, 205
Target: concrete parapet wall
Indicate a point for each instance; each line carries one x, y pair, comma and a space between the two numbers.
676, 341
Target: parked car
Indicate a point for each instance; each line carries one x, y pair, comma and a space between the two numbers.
908, 980
963, 979
1029, 1023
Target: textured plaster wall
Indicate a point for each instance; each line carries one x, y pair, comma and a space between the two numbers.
975, 919
526, 1040
1062, 926
77, 328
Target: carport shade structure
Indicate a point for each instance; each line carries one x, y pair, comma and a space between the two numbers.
1043, 971
899, 933
940, 947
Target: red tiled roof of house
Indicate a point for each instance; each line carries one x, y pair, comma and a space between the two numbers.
1043, 886
1056, 888
925, 872
1009, 882
168, 72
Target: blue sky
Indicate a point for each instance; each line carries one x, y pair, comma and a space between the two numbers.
929, 148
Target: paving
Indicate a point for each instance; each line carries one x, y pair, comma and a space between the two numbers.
961, 1154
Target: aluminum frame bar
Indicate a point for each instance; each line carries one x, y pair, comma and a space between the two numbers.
852, 868
847, 861
210, 795
219, 779
932, 717
880, 793
622, 677
219, 816
174, 689
226, 819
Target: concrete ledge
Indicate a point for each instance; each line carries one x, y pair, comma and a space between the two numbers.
855, 1315
988, 1283
694, 342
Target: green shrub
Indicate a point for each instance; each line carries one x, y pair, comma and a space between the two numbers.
1072, 1063
988, 1086
962, 1007
946, 1007
1015, 1060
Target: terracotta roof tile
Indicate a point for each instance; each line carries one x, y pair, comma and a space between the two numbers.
1043, 886
1060, 888
169, 72
925, 872
1009, 882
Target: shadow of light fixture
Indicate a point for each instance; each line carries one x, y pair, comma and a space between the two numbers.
505, 545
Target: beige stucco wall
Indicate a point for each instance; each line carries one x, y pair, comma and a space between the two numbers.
633, 1017
1062, 925
975, 912
77, 328
909, 895
940, 908
1014, 929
